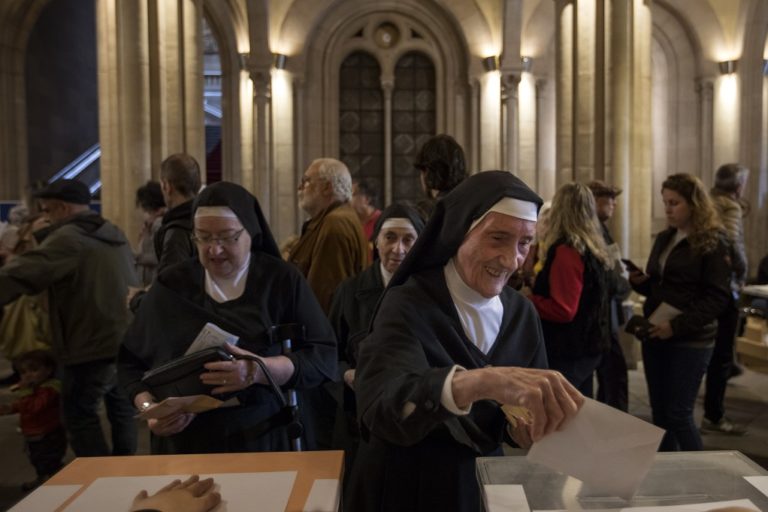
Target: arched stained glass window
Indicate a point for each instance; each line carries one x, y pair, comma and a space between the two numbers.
361, 118
413, 121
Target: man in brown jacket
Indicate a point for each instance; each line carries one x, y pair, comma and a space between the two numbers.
332, 246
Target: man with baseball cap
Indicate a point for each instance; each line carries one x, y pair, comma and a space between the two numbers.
449, 344
612, 377
86, 265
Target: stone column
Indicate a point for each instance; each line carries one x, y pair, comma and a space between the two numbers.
298, 120
262, 100
705, 89
510, 124
621, 115
124, 108
564, 51
641, 176
475, 125
150, 95
545, 156
387, 88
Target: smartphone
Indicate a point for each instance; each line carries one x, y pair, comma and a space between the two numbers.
631, 266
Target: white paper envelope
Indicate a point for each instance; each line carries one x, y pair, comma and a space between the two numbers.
609, 450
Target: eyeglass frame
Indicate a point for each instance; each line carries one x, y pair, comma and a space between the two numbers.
308, 179
221, 241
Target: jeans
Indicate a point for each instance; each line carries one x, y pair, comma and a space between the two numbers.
578, 371
673, 374
719, 369
84, 386
612, 377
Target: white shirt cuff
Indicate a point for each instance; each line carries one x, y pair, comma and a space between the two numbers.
446, 396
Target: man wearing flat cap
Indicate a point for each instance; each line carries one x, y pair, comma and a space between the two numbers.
449, 344
612, 377
86, 265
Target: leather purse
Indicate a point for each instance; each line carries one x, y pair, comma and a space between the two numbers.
181, 377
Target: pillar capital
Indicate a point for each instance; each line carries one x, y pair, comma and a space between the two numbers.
262, 83
705, 86
387, 84
509, 83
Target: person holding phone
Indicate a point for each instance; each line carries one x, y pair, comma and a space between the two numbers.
688, 271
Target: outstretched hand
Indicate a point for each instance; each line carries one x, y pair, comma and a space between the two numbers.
191, 495
549, 397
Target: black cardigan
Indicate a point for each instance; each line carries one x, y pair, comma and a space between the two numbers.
695, 282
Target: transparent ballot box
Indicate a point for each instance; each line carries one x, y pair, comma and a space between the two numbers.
678, 478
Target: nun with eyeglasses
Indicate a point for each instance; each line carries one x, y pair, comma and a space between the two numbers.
240, 284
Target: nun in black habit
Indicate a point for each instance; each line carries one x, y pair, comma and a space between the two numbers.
354, 301
240, 284
445, 350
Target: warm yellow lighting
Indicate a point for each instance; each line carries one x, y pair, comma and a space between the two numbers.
281, 89
727, 95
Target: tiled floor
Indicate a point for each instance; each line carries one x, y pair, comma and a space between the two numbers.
746, 402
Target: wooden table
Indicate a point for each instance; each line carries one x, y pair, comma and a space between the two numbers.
308, 465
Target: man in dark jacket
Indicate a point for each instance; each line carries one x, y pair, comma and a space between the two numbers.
179, 183
86, 265
612, 376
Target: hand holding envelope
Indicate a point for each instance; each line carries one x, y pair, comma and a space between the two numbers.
609, 450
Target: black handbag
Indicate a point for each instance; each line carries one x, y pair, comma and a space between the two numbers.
181, 377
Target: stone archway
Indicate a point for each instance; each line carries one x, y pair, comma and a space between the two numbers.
350, 27
17, 19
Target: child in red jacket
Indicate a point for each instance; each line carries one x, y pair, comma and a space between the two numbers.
39, 412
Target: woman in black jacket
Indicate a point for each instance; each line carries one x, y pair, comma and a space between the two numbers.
687, 285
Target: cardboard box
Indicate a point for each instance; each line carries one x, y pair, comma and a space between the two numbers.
752, 354
756, 329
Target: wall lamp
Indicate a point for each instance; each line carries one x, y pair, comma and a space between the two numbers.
244, 61
727, 67
280, 60
491, 63
527, 63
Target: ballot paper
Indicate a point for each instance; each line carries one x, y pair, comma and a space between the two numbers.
193, 403
608, 450
240, 492
664, 313
46, 497
211, 335
693, 507
759, 482
505, 498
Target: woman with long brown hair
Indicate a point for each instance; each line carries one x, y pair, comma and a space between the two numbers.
687, 285
571, 292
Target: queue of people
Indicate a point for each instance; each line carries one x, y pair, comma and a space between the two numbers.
403, 362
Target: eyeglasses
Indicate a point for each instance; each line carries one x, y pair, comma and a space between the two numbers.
308, 179
226, 241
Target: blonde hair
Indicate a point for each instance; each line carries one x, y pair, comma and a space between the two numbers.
706, 228
573, 218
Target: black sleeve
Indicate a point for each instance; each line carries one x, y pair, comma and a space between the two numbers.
130, 369
315, 357
393, 371
176, 247
714, 294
